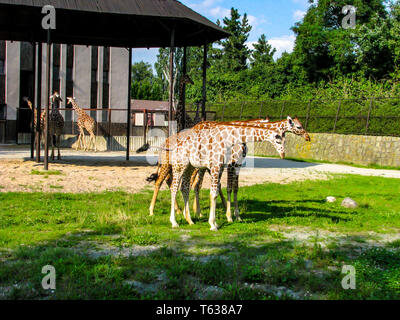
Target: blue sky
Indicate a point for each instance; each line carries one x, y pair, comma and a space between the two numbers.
274, 18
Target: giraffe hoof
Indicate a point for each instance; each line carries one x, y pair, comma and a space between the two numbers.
214, 228
230, 220
175, 225
239, 219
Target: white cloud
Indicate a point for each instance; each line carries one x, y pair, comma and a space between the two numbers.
281, 44
219, 12
298, 15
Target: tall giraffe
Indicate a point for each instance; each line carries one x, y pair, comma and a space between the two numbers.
42, 115
164, 172
84, 122
206, 148
56, 124
238, 154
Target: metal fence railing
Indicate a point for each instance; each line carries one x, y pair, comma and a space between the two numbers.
368, 116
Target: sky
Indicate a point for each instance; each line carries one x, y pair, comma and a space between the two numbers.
274, 18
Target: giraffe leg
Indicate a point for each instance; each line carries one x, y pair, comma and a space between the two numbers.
220, 190
58, 146
93, 137
52, 146
162, 175
83, 141
198, 181
235, 192
215, 177
78, 145
185, 189
169, 182
176, 178
229, 192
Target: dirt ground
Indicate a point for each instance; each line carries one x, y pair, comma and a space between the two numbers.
81, 176
109, 171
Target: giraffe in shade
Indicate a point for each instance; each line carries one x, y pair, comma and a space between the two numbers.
206, 148
182, 119
84, 122
42, 116
56, 124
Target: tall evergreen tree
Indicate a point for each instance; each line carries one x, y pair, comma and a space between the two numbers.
235, 51
263, 53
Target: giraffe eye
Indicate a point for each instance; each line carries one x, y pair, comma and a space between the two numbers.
299, 127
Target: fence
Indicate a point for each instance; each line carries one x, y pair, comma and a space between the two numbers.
369, 116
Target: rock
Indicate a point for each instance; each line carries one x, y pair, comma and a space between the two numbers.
349, 203
330, 199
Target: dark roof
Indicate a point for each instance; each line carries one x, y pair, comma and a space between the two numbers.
150, 105
118, 23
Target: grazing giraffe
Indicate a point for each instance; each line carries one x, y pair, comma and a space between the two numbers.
289, 125
207, 148
56, 124
164, 172
84, 122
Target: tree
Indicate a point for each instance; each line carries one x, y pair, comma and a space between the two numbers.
142, 71
235, 51
323, 48
263, 53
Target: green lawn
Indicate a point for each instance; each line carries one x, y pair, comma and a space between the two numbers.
290, 245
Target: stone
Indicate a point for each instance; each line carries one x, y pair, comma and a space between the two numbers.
330, 199
349, 203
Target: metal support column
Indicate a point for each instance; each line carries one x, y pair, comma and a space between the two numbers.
203, 102
128, 117
38, 98
171, 81
184, 71
46, 126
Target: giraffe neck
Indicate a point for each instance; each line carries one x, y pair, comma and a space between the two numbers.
232, 135
78, 109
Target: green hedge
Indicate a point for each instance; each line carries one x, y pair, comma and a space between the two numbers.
346, 116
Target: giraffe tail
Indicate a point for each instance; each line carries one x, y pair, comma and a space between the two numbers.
154, 176
143, 148
147, 146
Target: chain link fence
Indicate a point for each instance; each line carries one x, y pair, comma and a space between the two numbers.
369, 116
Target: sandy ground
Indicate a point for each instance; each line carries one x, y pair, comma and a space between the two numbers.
102, 171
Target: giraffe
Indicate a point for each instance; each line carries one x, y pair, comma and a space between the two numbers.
84, 122
206, 148
56, 124
42, 116
164, 172
180, 112
289, 125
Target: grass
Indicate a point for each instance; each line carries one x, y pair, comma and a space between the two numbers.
370, 166
94, 240
46, 173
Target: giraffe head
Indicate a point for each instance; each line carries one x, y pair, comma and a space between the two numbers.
70, 100
295, 126
186, 79
26, 99
55, 99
